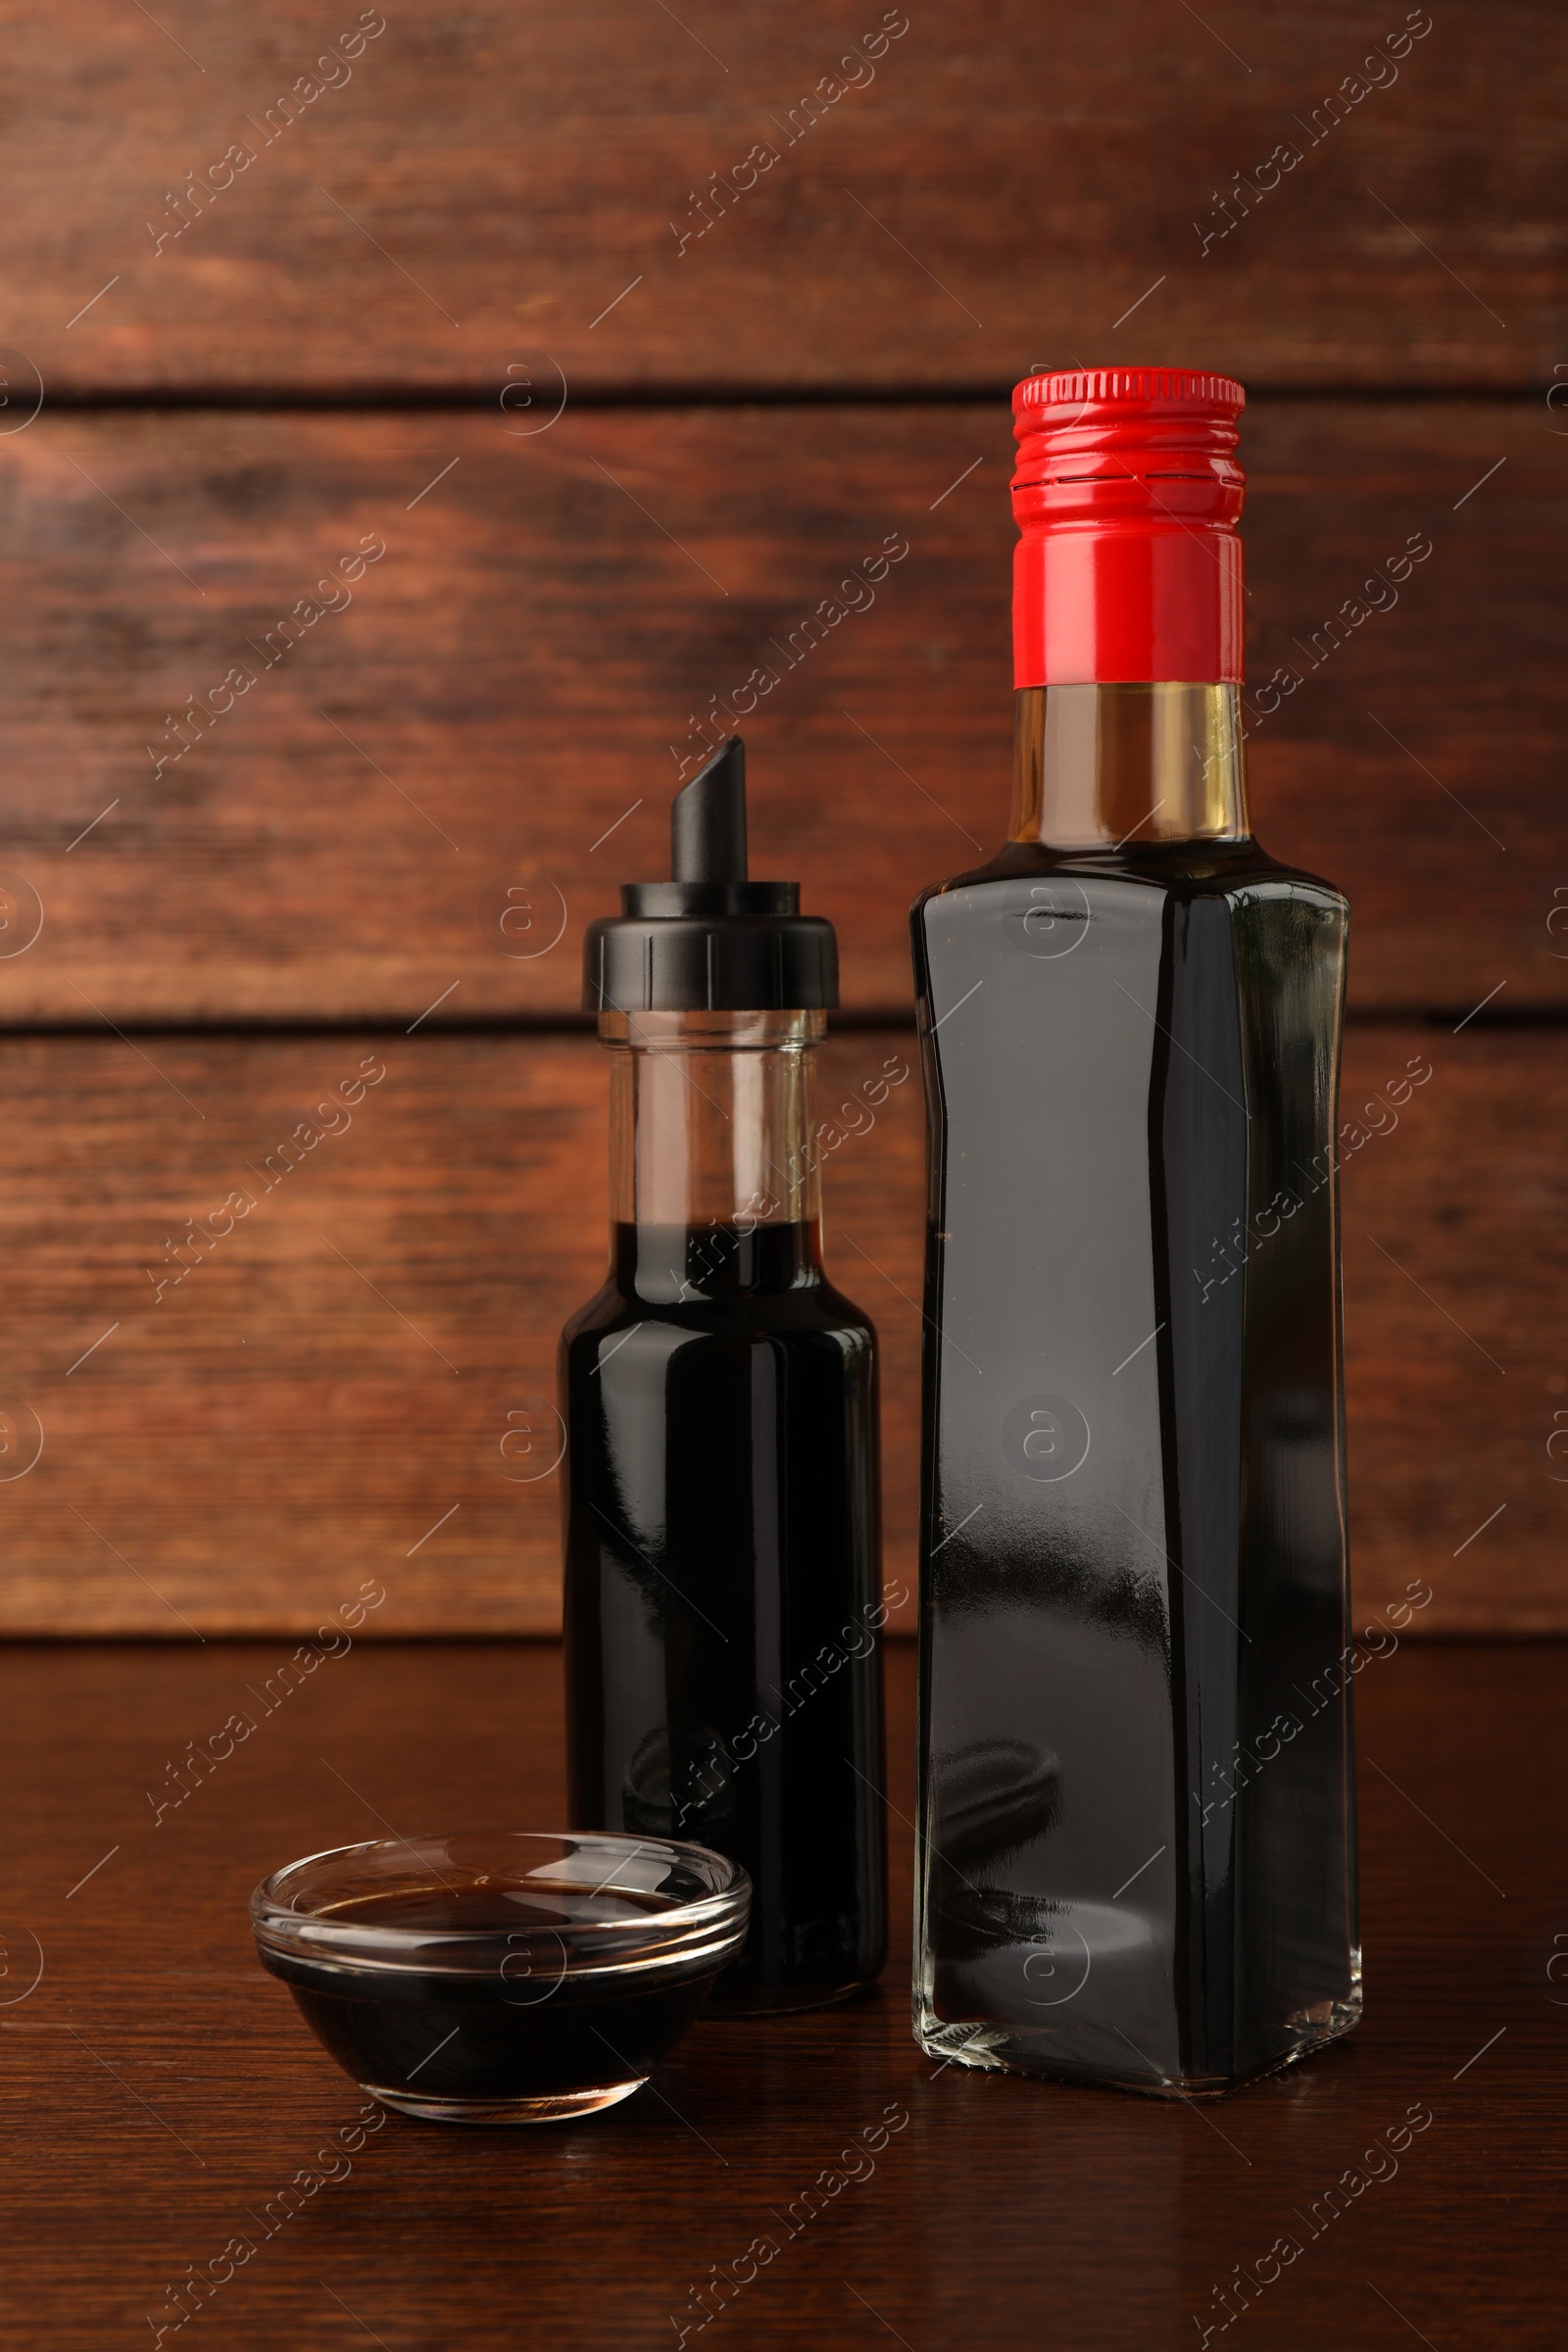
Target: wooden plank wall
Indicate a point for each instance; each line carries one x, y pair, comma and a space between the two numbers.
549, 367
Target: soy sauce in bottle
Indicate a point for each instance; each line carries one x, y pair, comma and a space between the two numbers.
1138, 1845
722, 1559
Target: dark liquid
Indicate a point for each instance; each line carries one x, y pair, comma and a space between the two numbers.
723, 1589
1136, 1782
530, 2029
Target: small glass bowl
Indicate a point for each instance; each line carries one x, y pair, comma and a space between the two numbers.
505, 1977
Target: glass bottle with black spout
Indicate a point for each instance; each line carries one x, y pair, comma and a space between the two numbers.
722, 1565
1137, 1853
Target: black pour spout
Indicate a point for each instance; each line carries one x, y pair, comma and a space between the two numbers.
711, 939
708, 820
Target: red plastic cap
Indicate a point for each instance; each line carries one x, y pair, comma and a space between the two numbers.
1127, 496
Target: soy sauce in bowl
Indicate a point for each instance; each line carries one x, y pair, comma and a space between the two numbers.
516, 1977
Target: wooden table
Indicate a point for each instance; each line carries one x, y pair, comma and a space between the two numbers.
161, 2091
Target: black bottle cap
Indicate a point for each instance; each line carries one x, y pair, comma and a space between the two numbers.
708, 940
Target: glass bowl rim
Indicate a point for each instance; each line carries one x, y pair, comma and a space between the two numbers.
280, 1926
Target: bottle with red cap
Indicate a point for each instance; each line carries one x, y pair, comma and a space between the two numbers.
1138, 1835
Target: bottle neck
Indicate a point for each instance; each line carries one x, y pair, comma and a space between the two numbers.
714, 1188
1097, 767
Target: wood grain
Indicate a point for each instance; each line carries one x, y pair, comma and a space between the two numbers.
1003, 193
496, 706
162, 2090
333, 1379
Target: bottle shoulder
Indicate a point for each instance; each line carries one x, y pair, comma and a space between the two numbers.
1184, 868
811, 1311
1257, 897
600, 1313
1262, 930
